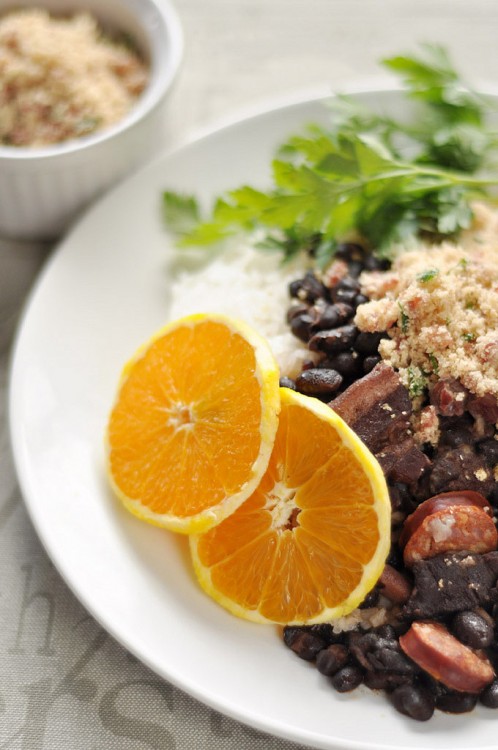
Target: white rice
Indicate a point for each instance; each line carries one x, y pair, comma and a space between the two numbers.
247, 283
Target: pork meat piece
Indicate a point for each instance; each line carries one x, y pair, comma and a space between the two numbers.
403, 462
452, 582
377, 407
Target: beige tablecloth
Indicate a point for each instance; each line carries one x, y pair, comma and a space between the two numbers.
64, 683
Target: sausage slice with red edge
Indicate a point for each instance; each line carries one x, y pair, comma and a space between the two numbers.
436, 651
452, 521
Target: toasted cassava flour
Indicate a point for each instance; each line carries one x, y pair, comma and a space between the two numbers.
438, 305
62, 78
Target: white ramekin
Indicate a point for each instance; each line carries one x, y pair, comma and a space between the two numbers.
43, 189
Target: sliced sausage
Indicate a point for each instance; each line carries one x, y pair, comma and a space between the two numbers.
453, 529
440, 502
436, 651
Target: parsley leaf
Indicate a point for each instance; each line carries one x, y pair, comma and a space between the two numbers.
434, 363
181, 212
352, 176
417, 381
453, 133
428, 275
431, 78
405, 320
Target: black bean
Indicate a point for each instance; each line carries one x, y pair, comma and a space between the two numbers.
413, 701
287, 383
295, 287
444, 469
386, 680
489, 696
456, 703
380, 654
472, 629
325, 631
301, 326
346, 679
360, 299
307, 289
370, 362
372, 263
350, 251
355, 267
357, 647
345, 312
348, 364
339, 294
334, 341
386, 631
297, 309
367, 343
305, 644
290, 633
331, 659
318, 382
489, 449
348, 282
435, 688
326, 317
352, 637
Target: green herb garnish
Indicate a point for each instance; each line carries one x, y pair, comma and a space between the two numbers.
385, 179
405, 320
181, 212
434, 363
469, 336
428, 275
417, 382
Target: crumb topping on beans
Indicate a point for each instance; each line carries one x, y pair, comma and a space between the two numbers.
439, 310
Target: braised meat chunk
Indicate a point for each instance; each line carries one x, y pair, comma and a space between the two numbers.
378, 408
452, 583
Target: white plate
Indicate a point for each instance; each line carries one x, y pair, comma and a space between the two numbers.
104, 292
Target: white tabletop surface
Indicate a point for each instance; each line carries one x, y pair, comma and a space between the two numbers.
65, 684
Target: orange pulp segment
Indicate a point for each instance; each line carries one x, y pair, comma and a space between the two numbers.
194, 422
312, 539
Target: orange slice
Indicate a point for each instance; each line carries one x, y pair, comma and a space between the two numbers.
312, 540
194, 423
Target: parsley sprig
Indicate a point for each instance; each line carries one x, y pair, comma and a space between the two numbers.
354, 175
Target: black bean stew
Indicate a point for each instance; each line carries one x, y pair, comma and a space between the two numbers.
439, 648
